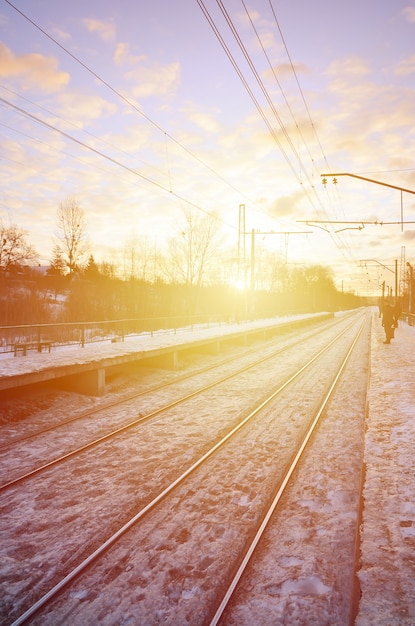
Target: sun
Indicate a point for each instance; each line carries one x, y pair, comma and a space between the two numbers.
239, 283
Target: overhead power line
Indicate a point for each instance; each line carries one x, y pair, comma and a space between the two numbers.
297, 81
277, 80
245, 83
127, 101
109, 158
320, 210
248, 88
259, 81
79, 128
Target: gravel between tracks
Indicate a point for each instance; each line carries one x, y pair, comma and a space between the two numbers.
387, 571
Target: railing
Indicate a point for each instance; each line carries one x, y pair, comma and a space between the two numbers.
80, 333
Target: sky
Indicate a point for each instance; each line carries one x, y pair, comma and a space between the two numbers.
143, 110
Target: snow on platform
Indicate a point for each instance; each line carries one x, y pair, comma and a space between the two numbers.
387, 571
387, 574
86, 365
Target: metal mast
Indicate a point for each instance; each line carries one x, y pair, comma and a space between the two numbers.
241, 245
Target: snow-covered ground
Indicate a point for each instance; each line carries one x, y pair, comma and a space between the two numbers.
74, 354
387, 572
178, 555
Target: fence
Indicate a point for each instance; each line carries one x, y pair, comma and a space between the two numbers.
88, 332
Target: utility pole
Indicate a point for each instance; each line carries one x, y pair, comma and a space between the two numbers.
402, 279
410, 287
396, 282
270, 232
241, 243
370, 180
242, 250
252, 261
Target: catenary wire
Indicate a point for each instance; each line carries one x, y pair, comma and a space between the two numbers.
128, 102
342, 243
347, 246
111, 159
255, 72
263, 115
131, 104
269, 100
76, 126
277, 80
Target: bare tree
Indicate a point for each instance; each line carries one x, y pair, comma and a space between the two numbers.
189, 252
108, 269
72, 230
129, 258
137, 257
14, 248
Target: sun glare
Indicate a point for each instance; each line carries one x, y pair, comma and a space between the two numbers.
239, 283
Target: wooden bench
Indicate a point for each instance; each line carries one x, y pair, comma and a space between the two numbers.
25, 346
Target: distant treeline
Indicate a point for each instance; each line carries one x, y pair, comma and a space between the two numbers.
30, 296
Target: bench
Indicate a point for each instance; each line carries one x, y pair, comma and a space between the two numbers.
25, 346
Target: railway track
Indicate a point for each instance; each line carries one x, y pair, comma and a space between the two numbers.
225, 492
31, 458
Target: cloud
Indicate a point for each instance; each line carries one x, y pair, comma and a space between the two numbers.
61, 35
283, 70
148, 78
82, 109
350, 67
369, 117
369, 122
106, 30
154, 79
406, 67
32, 70
286, 206
122, 55
205, 121
409, 14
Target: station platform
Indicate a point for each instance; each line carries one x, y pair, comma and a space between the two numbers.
83, 369
387, 572
387, 532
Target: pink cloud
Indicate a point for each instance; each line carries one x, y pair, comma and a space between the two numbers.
32, 70
406, 67
106, 30
409, 14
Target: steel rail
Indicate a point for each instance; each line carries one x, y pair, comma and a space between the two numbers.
141, 419
135, 395
78, 570
253, 545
